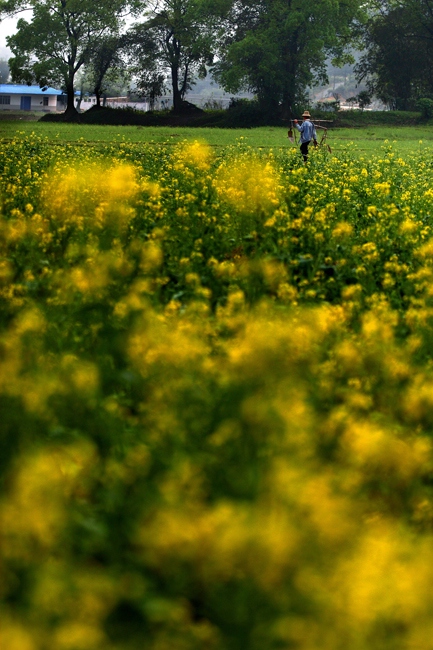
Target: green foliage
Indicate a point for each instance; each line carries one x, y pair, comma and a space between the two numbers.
246, 113
58, 40
277, 49
359, 118
397, 59
179, 36
330, 106
364, 99
425, 105
146, 67
105, 65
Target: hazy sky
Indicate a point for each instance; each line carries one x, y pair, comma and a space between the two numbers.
7, 28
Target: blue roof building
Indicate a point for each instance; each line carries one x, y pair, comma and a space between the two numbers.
30, 98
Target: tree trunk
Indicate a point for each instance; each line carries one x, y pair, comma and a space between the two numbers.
71, 114
177, 96
287, 105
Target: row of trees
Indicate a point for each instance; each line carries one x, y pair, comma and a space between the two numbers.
273, 48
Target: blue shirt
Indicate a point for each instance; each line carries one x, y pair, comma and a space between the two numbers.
307, 131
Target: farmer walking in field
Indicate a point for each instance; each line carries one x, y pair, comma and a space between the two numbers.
308, 133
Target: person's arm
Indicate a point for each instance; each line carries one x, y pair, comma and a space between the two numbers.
300, 129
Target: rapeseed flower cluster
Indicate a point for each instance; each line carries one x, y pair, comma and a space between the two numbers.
216, 388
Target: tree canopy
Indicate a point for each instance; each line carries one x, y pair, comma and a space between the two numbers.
178, 37
276, 48
272, 48
59, 39
397, 63
106, 65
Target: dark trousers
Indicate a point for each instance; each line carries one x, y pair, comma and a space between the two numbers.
304, 150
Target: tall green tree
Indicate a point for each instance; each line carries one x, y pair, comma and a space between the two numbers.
397, 63
177, 39
58, 40
106, 66
277, 48
144, 63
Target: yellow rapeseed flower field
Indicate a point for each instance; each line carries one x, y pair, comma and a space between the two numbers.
216, 390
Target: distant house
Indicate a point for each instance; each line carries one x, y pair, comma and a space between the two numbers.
30, 98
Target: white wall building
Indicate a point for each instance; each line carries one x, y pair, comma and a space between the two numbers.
15, 97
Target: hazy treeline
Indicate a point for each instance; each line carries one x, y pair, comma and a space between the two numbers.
275, 49
272, 48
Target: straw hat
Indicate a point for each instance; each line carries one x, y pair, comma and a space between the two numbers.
306, 114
